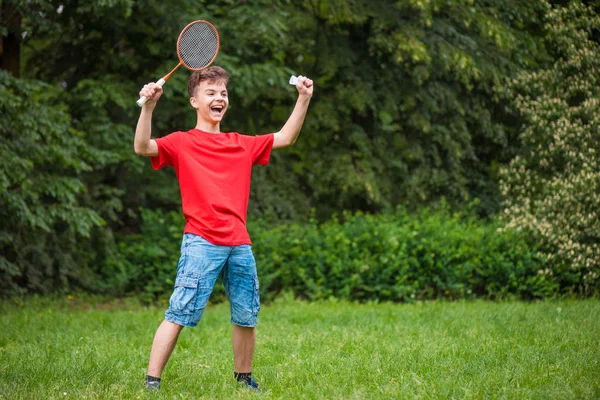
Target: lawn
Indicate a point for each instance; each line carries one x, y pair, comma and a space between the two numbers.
75, 349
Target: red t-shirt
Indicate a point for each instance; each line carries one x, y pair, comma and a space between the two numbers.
214, 172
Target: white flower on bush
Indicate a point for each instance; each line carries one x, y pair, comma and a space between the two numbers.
552, 189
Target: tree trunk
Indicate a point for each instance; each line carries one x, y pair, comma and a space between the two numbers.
10, 46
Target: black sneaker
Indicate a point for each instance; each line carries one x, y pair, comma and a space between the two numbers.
251, 384
152, 386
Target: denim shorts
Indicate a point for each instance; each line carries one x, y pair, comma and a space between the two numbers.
200, 264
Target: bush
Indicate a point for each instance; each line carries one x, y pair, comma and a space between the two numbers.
46, 219
552, 188
398, 257
145, 263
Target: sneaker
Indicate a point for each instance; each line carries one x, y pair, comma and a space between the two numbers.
251, 384
153, 386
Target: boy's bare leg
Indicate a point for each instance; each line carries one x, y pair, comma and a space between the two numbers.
162, 347
244, 339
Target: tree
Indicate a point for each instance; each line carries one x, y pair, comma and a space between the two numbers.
552, 188
10, 43
404, 110
42, 193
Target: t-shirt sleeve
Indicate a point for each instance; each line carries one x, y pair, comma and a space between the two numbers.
261, 148
167, 150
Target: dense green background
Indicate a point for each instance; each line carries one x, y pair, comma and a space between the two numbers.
416, 104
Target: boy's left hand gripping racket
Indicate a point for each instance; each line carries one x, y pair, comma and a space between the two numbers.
197, 48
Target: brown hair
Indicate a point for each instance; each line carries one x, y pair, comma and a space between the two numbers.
210, 74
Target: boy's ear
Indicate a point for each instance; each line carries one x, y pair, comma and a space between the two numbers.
194, 102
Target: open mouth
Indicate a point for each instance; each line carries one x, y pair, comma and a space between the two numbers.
217, 109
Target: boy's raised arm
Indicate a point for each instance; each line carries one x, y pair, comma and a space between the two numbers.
143, 144
290, 131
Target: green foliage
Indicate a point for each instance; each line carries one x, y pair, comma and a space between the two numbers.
145, 262
398, 257
42, 194
403, 111
552, 187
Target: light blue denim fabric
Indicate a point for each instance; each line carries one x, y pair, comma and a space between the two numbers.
200, 264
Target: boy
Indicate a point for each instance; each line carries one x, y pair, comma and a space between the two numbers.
213, 169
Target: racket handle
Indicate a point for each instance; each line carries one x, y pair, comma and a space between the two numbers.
143, 99
293, 80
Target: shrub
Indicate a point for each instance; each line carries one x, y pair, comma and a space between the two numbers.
393, 257
400, 257
552, 188
46, 220
145, 264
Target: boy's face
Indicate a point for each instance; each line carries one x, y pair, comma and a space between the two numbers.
210, 101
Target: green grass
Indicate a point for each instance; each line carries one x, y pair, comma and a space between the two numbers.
329, 350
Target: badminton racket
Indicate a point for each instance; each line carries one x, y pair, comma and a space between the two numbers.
197, 48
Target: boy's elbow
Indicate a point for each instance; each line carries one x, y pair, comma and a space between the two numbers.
288, 143
293, 139
282, 141
139, 150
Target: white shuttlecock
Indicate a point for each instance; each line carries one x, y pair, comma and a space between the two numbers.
293, 80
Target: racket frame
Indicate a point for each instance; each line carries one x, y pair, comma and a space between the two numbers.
142, 100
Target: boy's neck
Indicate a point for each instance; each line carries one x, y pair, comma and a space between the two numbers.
208, 127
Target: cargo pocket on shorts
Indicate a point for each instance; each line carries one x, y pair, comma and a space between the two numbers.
256, 297
183, 297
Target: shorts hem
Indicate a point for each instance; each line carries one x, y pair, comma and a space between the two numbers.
244, 325
178, 322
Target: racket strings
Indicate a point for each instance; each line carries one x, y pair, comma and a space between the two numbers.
198, 45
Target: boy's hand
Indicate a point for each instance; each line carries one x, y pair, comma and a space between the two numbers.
304, 86
152, 92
